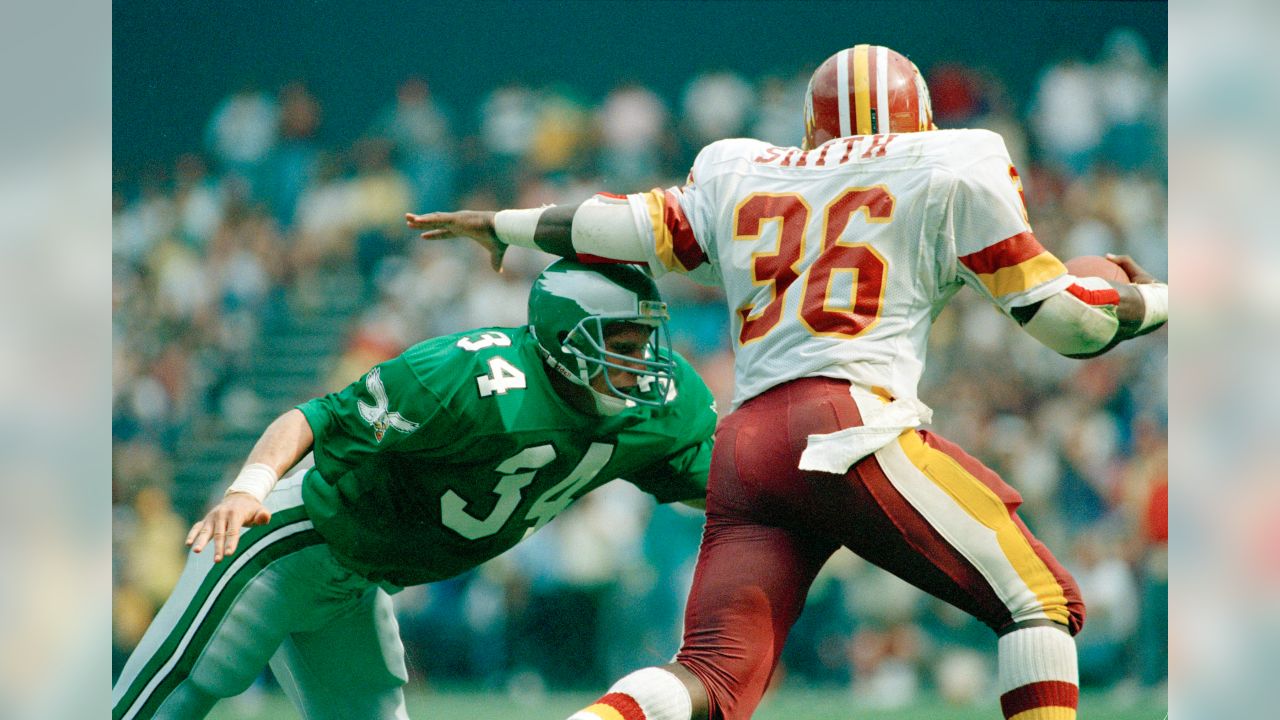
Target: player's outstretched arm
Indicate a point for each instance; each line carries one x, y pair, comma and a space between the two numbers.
1079, 326
285, 441
601, 227
475, 224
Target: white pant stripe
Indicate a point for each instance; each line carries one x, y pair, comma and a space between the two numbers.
239, 562
977, 542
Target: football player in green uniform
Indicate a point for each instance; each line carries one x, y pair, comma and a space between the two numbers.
428, 465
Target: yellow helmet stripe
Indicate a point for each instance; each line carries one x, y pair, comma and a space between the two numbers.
862, 89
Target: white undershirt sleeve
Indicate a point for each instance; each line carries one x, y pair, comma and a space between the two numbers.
606, 228
516, 227
601, 226
1070, 326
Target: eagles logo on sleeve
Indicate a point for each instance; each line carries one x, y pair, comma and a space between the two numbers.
379, 415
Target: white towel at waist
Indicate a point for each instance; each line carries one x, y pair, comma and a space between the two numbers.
882, 422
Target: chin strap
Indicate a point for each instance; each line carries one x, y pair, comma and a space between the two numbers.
609, 405
606, 405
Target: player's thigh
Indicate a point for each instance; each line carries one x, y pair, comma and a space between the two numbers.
218, 629
754, 467
223, 620
933, 515
749, 587
352, 666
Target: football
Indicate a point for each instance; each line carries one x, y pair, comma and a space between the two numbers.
1096, 266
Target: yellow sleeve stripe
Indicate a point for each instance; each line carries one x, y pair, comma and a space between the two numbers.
1023, 276
655, 203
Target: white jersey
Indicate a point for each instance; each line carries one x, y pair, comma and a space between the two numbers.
835, 261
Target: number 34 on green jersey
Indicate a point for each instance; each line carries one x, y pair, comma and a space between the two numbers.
518, 470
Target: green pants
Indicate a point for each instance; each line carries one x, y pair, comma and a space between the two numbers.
329, 634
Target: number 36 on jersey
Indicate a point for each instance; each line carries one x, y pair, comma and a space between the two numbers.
842, 290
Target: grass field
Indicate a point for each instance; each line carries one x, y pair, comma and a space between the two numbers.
787, 704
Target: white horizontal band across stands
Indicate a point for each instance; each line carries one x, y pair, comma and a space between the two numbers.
256, 479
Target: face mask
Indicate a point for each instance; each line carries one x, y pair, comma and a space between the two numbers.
605, 405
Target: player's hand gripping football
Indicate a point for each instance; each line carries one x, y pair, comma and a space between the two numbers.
223, 524
1131, 268
474, 224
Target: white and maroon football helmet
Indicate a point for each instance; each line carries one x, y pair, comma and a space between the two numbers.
865, 90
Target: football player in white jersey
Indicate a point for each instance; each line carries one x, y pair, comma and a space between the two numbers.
835, 257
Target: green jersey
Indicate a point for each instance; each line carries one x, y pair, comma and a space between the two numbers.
458, 449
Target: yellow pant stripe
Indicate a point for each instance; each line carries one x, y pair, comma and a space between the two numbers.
980, 503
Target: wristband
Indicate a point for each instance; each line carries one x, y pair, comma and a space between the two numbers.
1155, 300
256, 479
517, 227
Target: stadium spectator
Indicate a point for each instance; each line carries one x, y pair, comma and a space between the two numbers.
775, 113
1107, 580
1066, 118
419, 127
714, 105
289, 166
242, 131
508, 117
1129, 91
634, 133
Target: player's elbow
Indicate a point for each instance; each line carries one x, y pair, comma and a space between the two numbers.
1073, 328
603, 226
1084, 346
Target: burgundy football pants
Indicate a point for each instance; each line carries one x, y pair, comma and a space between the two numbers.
920, 508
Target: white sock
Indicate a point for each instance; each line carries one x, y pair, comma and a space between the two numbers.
1037, 669
648, 694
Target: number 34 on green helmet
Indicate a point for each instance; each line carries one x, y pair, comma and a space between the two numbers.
575, 308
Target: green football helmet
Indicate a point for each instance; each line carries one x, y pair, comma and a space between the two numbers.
573, 306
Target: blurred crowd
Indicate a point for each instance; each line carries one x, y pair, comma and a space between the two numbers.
271, 219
